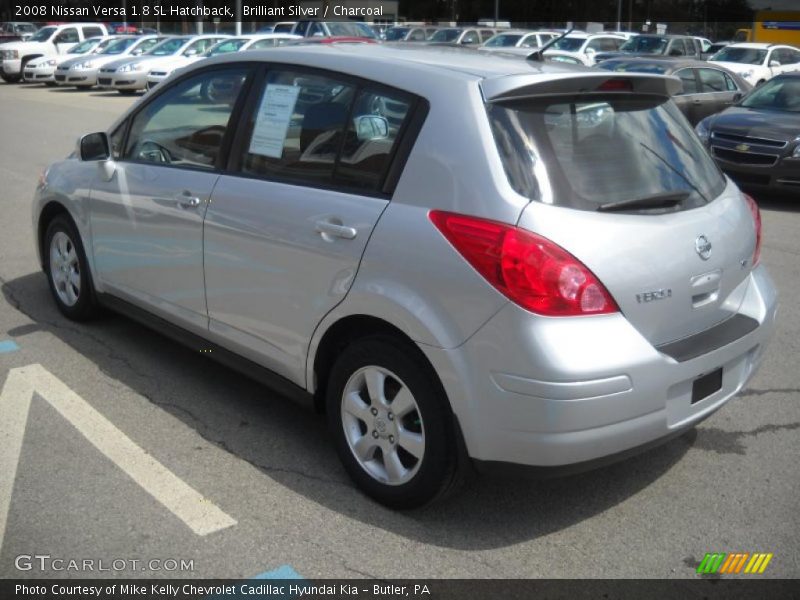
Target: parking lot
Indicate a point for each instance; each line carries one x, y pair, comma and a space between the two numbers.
165, 422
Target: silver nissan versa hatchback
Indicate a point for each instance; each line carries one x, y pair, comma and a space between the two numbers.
452, 255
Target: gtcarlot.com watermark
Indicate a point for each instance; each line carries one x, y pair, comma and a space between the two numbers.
46, 562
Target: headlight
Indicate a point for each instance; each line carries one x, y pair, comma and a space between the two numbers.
51, 63
702, 131
84, 65
7, 54
796, 153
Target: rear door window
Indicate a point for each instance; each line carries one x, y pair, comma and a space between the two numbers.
584, 151
688, 79
712, 81
323, 130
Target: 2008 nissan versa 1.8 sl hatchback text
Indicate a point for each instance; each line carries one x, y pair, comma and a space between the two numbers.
453, 255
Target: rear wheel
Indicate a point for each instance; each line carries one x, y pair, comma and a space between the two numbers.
127, 92
67, 270
10, 78
50, 83
393, 428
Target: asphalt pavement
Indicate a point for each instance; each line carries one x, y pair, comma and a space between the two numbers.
118, 426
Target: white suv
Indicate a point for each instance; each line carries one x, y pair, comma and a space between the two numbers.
48, 41
758, 63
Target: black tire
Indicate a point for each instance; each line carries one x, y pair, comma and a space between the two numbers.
50, 83
127, 92
85, 307
11, 78
439, 466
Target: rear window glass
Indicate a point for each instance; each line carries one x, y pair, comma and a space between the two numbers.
586, 151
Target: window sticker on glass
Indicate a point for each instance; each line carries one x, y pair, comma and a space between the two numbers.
273, 120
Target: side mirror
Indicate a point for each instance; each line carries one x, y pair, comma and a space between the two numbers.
371, 127
94, 147
190, 52
738, 96
590, 51
774, 63
675, 52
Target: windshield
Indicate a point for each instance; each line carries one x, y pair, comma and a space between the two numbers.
569, 44
504, 40
226, 46
24, 27
119, 46
776, 94
645, 45
168, 47
746, 56
582, 152
634, 67
445, 35
352, 29
396, 33
43, 34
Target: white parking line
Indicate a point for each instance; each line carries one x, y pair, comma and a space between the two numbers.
199, 514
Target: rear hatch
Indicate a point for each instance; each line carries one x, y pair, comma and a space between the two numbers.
618, 178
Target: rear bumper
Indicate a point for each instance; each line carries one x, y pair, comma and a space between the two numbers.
557, 393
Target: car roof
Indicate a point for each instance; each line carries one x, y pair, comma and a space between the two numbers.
756, 45
458, 62
429, 66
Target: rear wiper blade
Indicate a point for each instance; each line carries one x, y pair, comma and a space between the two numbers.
659, 200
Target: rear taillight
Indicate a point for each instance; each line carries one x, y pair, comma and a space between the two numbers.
616, 85
756, 212
529, 269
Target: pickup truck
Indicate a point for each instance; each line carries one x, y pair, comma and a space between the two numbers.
48, 41
656, 45
13, 31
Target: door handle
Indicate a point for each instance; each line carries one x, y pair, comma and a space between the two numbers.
332, 229
186, 200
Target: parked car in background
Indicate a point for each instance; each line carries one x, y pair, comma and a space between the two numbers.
757, 141
585, 46
518, 38
680, 46
465, 36
705, 43
451, 253
237, 44
81, 72
279, 27
757, 63
49, 41
416, 33
13, 31
42, 70
129, 75
706, 89
714, 48
311, 28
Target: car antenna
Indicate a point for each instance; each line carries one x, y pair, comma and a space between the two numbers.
538, 54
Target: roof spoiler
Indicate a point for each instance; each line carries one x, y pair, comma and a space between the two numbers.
538, 54
518, 86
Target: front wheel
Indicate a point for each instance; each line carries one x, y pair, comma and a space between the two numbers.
67, 270
10, 78
392, 426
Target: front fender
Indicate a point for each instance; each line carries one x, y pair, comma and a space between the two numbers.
67, 183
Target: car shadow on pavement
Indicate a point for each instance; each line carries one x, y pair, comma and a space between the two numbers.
290, 444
